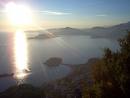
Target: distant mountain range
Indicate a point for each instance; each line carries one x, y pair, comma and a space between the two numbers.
113, 32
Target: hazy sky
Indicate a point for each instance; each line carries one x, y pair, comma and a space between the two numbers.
78, 13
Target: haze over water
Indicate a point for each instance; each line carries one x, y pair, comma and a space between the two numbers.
33, 53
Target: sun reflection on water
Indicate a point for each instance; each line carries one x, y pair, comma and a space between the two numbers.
20, 55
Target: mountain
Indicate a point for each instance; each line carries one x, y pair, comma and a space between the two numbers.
112, 32
115, 31
51, 33
42, 36
66, 31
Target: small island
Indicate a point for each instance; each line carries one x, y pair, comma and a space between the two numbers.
53, 62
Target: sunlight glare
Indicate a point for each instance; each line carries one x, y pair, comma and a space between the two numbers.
19, 14
21, 75
21, 55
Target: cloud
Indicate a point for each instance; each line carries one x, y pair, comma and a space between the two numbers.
102, 15
53, 13
46, 12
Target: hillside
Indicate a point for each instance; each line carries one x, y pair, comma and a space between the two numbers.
112, 32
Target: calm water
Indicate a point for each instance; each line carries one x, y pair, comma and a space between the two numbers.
15, 53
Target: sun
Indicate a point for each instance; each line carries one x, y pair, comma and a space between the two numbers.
19, 15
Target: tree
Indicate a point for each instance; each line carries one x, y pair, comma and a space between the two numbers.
112, 73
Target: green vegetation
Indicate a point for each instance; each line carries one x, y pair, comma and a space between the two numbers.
111, 74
